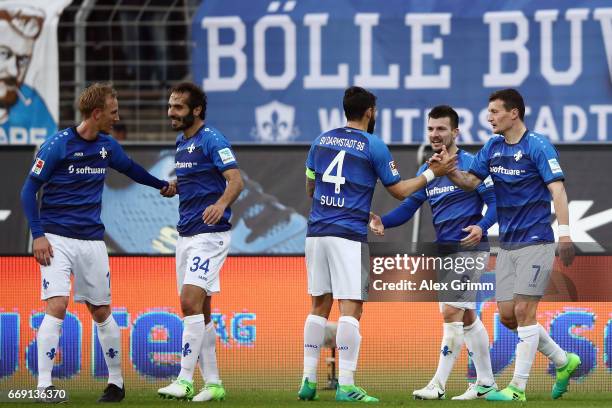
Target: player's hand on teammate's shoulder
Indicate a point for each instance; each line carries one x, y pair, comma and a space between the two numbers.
474, 236
170, 190
376, 224
42, 251
567, 251
213, 213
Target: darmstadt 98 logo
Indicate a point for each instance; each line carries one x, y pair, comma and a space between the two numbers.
274, 123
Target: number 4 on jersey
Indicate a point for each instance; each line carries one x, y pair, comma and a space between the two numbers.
338, 180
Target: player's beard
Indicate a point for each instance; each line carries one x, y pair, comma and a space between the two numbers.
371, 125
184, 122
8, 92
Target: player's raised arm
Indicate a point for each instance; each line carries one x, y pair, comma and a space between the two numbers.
559, 196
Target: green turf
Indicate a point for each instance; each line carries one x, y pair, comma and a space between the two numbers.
289, 399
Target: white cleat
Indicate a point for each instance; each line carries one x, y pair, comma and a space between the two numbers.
475, 392
431, 392
210, 392
179, 389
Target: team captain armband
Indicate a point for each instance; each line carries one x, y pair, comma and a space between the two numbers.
310, 174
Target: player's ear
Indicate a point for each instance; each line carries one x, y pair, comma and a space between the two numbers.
197, 111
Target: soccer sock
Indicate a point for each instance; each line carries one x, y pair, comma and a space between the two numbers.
109, 336
477, 342
348, 341
208, 355
193, 335
452, 340
525, 354
47, 340
314, 333
550, 349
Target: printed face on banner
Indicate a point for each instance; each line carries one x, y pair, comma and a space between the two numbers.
20, 26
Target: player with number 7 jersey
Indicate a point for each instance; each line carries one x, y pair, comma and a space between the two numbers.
342, 169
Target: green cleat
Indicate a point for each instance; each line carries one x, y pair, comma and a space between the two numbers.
210, 392
308, 391
352, 393
563, 375
509, 393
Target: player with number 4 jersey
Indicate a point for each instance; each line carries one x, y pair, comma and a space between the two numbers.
342, 169
208, 183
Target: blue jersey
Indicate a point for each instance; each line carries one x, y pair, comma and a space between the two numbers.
347, 164
452, 208
73, 171
521, 173
200, 161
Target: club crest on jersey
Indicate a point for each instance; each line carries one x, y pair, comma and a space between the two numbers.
518, 155
191, 148
38, 166
103, 152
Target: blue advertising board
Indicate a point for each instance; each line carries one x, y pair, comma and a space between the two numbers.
275, 71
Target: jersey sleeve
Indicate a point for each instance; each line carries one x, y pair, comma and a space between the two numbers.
547, 161
310, 165
480, 163
221, 153
383, 162
119, 160
47, 159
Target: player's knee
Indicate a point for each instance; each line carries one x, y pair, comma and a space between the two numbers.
190, 307
56, 306
509, 321
99, 313
522, 311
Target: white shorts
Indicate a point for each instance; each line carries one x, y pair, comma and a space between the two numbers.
199, 260
87, 261
458, 305
339, 266
478, 265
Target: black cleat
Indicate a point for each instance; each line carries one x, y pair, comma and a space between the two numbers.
112, 393
51, 395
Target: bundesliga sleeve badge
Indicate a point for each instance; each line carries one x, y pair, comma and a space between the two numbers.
38, 166
226, 155
393, 168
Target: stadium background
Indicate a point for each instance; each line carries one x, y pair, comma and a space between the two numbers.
145, 46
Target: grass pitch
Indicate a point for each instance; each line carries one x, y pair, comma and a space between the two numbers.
252, 399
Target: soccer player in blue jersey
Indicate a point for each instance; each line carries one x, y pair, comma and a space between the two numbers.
342, 169
526, 173
458, 221
68, 233
208, 183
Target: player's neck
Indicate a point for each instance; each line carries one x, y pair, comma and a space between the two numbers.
87, 130
514, 134
191, 130
452, 149
358, 124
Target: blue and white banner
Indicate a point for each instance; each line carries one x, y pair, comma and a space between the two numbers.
275, 71
29, 75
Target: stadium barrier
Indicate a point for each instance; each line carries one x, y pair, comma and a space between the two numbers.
259, 317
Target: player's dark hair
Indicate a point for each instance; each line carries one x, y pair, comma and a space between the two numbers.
511, 98
445, 111
357, 101
197, 97
94, 97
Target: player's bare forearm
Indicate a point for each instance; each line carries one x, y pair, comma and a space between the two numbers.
310, 187
464, 180
234, 186
557, 190
405, 188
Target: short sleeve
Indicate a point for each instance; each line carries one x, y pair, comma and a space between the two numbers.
221, 153
487, 184
310, 158
119, 160
480, 164
383, 162
47, 159
546, 159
